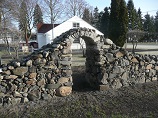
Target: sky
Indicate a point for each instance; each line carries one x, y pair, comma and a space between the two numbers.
150, 6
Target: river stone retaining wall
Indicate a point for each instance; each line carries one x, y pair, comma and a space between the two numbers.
47, 72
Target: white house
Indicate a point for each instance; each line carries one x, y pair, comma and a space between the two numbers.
6, 34
45, 31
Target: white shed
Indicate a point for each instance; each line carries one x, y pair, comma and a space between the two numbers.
44, 35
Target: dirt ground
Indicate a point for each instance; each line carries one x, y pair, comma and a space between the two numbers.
139, 101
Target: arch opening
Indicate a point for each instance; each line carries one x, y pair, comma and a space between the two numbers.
80, 64
94, 43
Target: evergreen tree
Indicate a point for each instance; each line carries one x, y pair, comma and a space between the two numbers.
152, 25
100, 19
104, 22
91, 17
149, 26
24, 21
140, 20
156, 22
0, 18
95, 21
118, 22
37, 15
87, 16
148, 23
114, 30
123, 22
132, 15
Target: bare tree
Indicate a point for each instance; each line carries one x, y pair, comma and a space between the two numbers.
15, 11
134, 36
9, 34
5, 23
75, 7
52, 9
16, 41
10, 13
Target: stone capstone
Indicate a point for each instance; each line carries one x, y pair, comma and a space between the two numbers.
108, 41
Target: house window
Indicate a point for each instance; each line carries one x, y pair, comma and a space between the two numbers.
76, 25
77, 40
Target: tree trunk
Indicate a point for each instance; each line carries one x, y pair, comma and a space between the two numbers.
17, 53
26, 38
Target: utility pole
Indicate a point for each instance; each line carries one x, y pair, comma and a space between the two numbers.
53, 29
52, 18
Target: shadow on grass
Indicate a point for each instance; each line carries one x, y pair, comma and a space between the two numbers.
79, 81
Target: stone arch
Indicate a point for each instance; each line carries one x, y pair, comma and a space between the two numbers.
47, 71
94, 45
89, 35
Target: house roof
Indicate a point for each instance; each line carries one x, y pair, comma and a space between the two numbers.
43, 28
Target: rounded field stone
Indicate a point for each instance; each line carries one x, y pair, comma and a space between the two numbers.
64, 91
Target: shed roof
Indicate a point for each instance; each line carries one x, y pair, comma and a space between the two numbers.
43, 28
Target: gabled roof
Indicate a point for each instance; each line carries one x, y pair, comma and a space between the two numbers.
43, 28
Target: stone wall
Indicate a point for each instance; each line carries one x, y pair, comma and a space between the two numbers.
114, 68
40, 75
47, 72
44, 73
